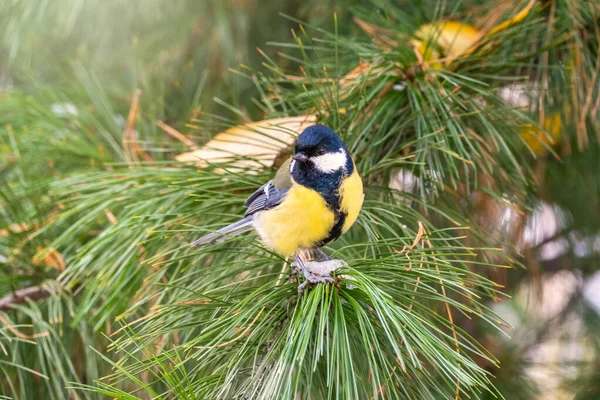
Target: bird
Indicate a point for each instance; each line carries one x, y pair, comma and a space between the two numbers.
315, 196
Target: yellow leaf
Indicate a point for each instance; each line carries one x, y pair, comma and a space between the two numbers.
456, 39
517, 18
539, 140
452, 38
250, 145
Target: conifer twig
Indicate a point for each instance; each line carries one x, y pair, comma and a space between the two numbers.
18, 333
174, 133
33, 293
407, 248
129, 142
450, 319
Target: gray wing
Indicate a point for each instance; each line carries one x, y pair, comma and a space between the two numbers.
266, 197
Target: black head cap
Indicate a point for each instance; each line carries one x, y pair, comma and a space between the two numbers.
318, 138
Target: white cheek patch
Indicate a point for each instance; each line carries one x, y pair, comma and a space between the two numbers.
330, 162
292, 164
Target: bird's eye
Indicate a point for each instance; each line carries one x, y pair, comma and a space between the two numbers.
321, 151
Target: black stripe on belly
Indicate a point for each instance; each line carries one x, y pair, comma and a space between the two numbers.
336, 230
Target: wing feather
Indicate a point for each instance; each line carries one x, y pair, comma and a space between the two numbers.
266, 197
271, 193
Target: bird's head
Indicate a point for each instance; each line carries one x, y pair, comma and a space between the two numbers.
321, 150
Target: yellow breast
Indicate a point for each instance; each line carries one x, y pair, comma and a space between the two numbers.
351, 199
299, 222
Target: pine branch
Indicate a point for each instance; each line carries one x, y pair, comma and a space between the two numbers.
221, 321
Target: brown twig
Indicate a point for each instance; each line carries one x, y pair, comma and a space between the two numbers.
422, 237
589, 98
594, 113
381, 36
18, 333
33, 293
174, 133
110, 216
544, 85
490, 19
128, 141
282, 273
418, 238
420, 233
596, 106
450, 319
193, 303
407, 248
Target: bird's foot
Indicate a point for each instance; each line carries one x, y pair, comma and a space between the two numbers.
313, 278
317, 271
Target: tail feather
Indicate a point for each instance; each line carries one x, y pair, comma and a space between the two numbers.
225, 233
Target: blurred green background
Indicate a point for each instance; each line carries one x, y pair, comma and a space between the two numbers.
69, 71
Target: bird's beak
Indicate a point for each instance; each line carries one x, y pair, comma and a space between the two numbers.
300, 157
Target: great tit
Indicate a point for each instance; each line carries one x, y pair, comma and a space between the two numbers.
314, 197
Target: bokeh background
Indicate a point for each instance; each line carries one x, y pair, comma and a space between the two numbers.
70, 71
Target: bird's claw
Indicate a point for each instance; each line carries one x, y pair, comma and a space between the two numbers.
319, 279
312, 278
317, 272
